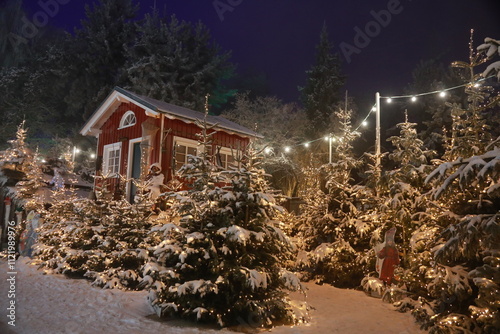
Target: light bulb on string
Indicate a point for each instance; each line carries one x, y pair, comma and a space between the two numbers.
442, 94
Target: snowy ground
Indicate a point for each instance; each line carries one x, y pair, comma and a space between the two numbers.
53, 304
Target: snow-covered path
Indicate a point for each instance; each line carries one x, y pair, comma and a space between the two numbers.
53, 304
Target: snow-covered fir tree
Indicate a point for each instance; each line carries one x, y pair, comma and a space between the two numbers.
20, 158
463, 285
27, 188
101, 240
15, 155
470, 132
406, 203
334, 235
219, 253
403, 204
469, 249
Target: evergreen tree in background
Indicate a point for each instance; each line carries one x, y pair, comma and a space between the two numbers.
281, 125
14, 48
97, 54
322, 90
430, 111
219, 252
176, 61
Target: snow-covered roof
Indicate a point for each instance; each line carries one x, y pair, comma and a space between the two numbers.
153, 108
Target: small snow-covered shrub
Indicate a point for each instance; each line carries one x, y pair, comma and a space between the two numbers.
102, 241
373, 286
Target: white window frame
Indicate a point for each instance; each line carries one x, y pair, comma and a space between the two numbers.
124, 119
107, 149
187, 143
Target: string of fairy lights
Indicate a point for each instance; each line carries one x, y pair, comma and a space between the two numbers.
388, 99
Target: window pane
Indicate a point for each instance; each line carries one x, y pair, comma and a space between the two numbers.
223, 160
130, 120
180, 149
181, 153
113, 161
180, 157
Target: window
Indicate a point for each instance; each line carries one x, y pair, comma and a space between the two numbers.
183, 148
127, 120
111, 159
224, 157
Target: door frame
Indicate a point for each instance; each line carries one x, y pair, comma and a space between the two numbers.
130, 162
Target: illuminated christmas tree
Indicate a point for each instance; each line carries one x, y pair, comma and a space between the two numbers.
333, 231
462, 287
218, 250
14, 156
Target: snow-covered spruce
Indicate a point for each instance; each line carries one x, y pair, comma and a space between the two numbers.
100, 240
219, 253
333, 234
461, 289
405, 205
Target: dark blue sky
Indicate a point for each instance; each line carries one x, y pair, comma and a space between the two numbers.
278, 37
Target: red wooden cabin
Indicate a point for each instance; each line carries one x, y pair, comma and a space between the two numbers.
129, 127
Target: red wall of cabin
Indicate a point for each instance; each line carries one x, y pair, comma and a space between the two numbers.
179, 128
111, 134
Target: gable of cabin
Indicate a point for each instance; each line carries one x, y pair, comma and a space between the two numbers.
116, 135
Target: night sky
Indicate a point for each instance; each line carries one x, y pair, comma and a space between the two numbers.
278, 37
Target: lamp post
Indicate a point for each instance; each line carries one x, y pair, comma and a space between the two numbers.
75, 151
330, 139
377, 128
